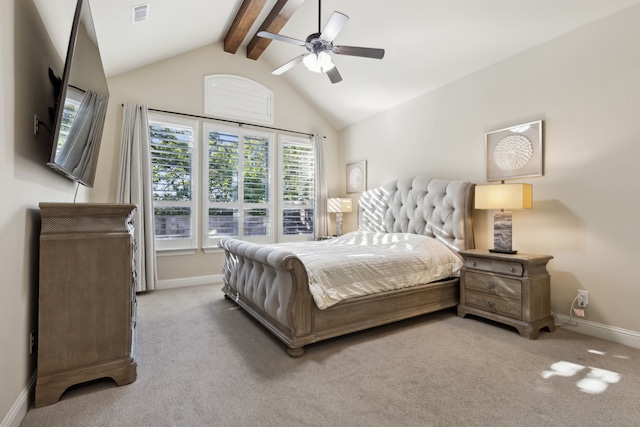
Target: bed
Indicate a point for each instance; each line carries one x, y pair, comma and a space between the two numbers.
273, 284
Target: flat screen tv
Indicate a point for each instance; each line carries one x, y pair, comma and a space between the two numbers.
81, 103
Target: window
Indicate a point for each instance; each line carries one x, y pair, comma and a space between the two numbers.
298, 188
172, 165
237, 98
238, 200
250, 184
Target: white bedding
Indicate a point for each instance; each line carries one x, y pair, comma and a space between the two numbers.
363, 263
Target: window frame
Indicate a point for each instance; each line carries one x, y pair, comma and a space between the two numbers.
208, 241
282, 205
192, 243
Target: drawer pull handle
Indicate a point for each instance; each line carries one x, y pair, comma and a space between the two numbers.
511, 269
491, 286
491, 304
473, 263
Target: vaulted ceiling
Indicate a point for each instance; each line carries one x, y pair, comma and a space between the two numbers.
428, 43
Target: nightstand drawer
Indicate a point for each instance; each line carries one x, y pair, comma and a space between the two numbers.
494, 285
494, 304
494, 266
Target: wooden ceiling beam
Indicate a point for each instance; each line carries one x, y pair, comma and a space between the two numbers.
242, 23
279, 15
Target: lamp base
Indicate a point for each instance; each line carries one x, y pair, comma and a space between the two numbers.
502, 251
338, 223
502, 232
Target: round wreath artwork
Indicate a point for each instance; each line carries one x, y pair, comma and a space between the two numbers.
512, 153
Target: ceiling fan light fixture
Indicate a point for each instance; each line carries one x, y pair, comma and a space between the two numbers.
319, 45
318, 63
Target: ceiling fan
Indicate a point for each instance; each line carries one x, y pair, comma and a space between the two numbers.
319, 45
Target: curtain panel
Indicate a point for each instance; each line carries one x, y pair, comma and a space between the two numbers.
135, 186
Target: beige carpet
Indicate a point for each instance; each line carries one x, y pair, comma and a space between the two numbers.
204, 362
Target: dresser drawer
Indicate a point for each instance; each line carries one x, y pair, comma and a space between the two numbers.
494, 304
492, 284
494, 266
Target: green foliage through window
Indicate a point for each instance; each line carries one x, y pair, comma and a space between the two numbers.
223, 167
298, 173
171, 153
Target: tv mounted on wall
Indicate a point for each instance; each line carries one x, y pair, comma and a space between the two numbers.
81, 103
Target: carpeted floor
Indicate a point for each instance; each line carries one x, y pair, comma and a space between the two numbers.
204, 362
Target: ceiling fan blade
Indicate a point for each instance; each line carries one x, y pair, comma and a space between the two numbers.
334, 26
278, 37
366, 52
289, 65
334, 75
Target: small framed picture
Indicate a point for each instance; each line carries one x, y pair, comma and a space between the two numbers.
514, 152
357, 177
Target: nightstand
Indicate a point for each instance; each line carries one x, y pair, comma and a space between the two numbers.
510, 289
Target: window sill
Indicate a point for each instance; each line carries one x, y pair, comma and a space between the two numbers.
175, 252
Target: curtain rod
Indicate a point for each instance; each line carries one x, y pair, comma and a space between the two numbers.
229, 121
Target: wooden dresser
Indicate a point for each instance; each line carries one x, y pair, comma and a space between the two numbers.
511, 289
87, 306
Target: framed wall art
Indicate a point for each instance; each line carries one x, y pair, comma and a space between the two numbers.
357, 177
514, 152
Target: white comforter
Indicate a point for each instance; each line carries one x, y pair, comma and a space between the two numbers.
363, 263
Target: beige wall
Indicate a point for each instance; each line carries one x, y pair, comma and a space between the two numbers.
585, 86
177, 84
25, 90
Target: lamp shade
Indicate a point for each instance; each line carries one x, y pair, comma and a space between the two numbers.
504, 196
338, 204
318, 63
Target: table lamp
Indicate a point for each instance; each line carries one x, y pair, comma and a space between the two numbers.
504, 197
339, 205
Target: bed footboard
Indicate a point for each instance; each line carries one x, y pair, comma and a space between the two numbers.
272, 285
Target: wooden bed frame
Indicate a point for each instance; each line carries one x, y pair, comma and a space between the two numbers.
271, 284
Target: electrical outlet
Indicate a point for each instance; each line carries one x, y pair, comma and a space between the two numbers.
36, 125
583, 298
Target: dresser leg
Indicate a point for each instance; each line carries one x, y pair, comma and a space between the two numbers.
532, 330
295, 352
51, 388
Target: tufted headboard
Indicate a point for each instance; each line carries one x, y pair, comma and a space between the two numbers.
421, 205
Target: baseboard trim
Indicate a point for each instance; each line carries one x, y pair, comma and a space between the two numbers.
19, 409
213, 279
599, 330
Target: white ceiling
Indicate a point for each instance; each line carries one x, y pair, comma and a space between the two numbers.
428, 43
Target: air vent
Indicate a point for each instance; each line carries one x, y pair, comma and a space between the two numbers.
140, 13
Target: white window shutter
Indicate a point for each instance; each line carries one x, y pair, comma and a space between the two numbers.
237, 98
172, 162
